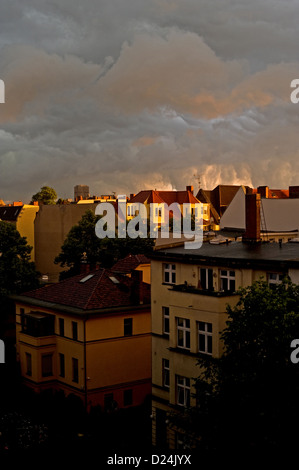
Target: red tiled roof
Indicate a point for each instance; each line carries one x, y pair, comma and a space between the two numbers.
149, 197
167, 197
97, 292
129, 263
279, 193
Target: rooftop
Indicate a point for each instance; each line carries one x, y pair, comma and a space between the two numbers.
129, 263
168, 197
235, 253
95, 290
10, 213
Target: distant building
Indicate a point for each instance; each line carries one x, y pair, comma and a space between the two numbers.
51, 227
89, 335
134, 262
219, 199
81, 191
22, 216
278, 212
156, 200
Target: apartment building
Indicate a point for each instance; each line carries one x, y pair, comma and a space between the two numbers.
190, 291
89, 335
157, 203
22, 216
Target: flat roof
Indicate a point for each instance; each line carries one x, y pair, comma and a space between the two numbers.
238, 253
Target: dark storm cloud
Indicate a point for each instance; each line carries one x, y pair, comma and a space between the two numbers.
125, 95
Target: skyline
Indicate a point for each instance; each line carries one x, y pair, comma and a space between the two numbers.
142, 95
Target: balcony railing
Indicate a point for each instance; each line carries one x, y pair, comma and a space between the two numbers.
194, 290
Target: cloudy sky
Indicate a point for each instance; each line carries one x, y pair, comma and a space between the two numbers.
125, 95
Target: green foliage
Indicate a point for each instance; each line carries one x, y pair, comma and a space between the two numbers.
46, 195
82, 243
17, 272
249, 396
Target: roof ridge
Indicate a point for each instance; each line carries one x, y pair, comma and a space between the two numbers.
95, 287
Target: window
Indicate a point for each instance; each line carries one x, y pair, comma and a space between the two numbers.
275, 278
47, 365
37, 324
227, 280
183, 333
75, 367
169, 276
179, 441
165, 372
61, 365
61, 326
183, 390
108, 401
165, 314
128, 397
158, 211
128, 326
75, 330
205, 337
206, 279
28, 364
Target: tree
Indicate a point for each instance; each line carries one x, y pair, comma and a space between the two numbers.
82, 244
17, 271
46, 195
17, 274
248, 398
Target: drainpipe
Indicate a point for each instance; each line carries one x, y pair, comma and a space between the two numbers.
85, 372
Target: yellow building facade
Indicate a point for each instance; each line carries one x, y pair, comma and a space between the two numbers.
23, 217
102, 355
190, 292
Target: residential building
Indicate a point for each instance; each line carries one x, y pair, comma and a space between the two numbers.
159, 201
89, 335
190, 291
22, 216
81, 191
278, 210
134, 262
219, 199
51, 227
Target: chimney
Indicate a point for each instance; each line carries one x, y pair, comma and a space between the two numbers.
252, 218
132, 195
190, 188
84, 267
294, 191
263, 191
17, 203
137, 287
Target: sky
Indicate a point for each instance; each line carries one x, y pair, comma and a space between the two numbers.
125, 95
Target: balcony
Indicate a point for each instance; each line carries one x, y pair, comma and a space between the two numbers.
205, 300
37, 324
37, 341
194, 290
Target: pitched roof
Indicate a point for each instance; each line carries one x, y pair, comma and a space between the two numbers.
10, 213
204, 197
129, 263
168, 197
180, 197
149, 197
94, 290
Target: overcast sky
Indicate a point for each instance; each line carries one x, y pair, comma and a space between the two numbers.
125, 95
